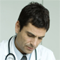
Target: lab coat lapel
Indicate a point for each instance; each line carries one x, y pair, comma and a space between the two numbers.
33, 55
38, 55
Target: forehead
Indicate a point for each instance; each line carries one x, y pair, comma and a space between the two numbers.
34, 30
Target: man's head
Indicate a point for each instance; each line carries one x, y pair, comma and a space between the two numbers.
36, 14
32, 24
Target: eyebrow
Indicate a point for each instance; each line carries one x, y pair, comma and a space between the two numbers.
41, 37
30, 33
34, 35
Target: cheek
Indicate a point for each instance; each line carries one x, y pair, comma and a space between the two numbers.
26, 38
38, 42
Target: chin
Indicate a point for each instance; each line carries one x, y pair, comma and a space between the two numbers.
28, 52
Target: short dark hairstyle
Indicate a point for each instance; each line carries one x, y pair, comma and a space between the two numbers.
36, 14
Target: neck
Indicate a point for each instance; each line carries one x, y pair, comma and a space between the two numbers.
17, 46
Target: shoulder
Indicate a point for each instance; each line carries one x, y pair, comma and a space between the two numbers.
45, 52
3, 48
3, 43
43, 49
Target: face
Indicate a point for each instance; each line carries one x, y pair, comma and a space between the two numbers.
29, 38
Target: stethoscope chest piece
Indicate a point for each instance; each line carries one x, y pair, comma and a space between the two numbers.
10, 56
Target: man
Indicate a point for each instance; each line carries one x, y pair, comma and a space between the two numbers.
31, 27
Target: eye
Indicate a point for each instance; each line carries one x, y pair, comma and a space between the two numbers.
39, 38
29, 35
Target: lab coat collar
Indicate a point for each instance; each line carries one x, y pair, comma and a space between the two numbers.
33, 55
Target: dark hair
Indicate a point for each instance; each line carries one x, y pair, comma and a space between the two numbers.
36, 14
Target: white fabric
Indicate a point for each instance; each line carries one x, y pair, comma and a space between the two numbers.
43, 53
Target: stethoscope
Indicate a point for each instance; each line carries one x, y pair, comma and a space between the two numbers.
11, 56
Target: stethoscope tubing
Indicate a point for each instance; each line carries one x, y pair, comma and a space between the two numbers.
13, 54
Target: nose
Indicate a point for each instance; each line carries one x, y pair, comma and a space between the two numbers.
34, 42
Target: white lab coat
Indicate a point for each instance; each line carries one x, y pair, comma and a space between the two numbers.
43, 53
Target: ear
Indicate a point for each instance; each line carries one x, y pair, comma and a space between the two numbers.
17, 27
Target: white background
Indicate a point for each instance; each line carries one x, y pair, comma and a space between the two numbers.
10, 10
